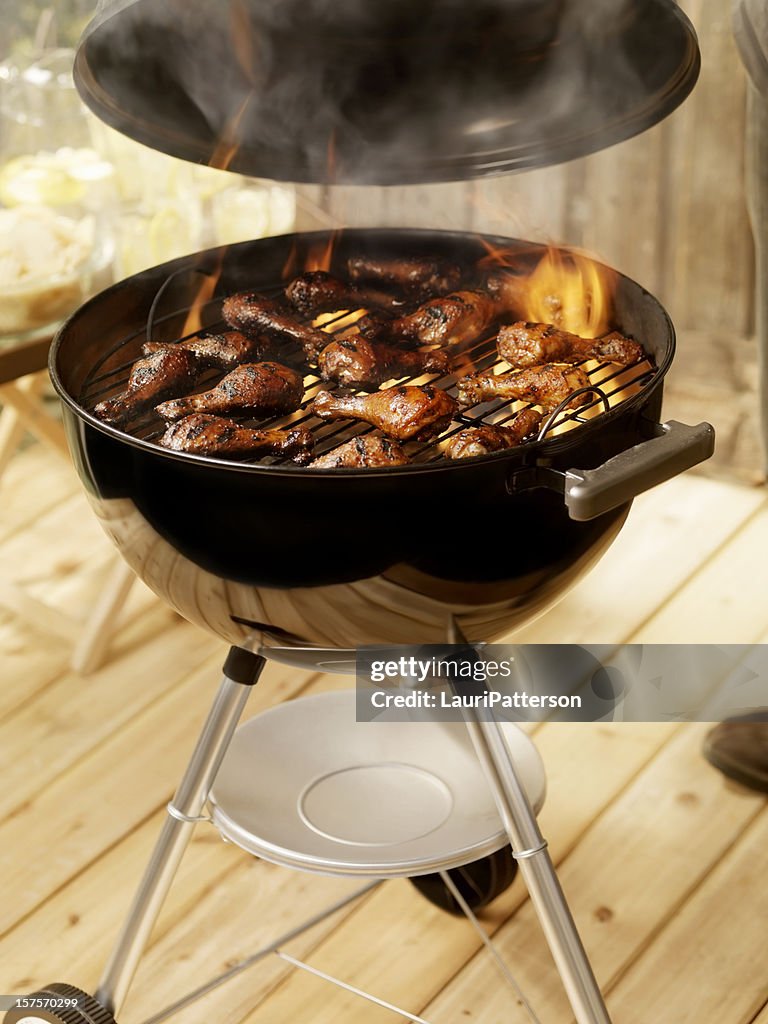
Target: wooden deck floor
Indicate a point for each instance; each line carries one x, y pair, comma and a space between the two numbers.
663, 863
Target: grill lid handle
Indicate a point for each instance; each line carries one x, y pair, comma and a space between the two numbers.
675, 448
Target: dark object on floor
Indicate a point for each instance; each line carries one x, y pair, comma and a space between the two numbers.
479, 882
739, 749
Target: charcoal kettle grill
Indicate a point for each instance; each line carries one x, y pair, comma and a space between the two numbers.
202, 531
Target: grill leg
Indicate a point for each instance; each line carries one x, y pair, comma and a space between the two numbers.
241, 671
530, 850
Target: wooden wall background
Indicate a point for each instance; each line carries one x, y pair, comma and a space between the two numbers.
667, 208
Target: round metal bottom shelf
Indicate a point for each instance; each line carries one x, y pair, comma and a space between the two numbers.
307, 786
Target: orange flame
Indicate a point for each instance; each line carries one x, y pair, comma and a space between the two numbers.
572, 291
565, 288
193, 322
316, 256
320, 255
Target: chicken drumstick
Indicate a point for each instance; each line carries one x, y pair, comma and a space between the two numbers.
451, 320
489, 438
167, 372
255, 389
362, 452
405, 413
202, 434
546, 386
527, 344
356, 363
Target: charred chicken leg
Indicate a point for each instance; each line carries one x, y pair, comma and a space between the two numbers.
546, 386
318, 292
253, 314
255, 389
405, 413
203, 434
223, 351
451, 320
420, 275
357, 363
487, 438
361, 452
527, 344
167, 372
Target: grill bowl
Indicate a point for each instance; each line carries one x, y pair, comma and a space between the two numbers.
344, 557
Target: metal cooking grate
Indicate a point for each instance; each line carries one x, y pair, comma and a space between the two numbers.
609, 384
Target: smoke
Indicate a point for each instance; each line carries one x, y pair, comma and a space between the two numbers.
365, 91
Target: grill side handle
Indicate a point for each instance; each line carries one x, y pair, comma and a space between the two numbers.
674, 448
588, 493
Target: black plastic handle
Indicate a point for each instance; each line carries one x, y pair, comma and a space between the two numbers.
676, 447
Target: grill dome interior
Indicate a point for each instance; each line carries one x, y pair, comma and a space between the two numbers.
356, 92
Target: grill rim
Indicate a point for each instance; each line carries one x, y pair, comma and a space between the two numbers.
530, 451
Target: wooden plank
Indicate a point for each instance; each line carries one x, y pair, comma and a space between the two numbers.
702, 385
739, 453
722, 931
81, 920
355, 206
707, 261
34, 482
723, 601
629, 876
251, 905
433, 206
31, 661
442, 207
62, 539
86, 914
70, 717
402, 948
122, 790
87, 910
624, 186
532, 206
699, 365
671, 531
311, 214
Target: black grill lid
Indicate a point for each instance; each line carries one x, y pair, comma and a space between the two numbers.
385, 91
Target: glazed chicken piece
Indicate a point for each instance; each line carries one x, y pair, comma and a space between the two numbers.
362, 452
253, 389
222, 351
317, 292
170, 371
420, 275
451, 320
253, 314
357, 363
405, 413
527, 344
546, 386
487, 438
616, 348
203, 434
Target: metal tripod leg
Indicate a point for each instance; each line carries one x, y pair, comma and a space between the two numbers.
241, 671
530, 851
